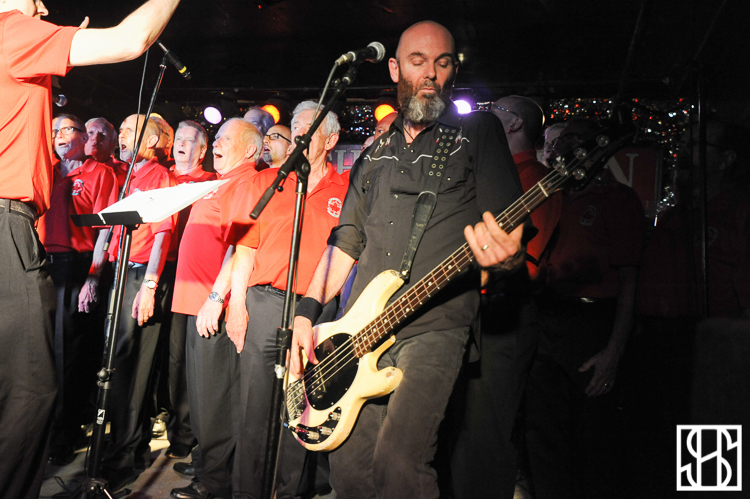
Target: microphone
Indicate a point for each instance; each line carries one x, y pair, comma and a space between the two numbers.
59, 100
175, 61
374, 52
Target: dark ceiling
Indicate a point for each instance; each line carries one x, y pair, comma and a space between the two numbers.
545, 48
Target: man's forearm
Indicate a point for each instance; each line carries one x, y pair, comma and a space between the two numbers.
330, 275
158, 256
100, 255
625, 308
127, 40
223, 282
241, 269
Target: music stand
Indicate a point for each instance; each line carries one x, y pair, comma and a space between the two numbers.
138, 208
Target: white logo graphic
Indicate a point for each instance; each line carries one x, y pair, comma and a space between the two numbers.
100, 416
334, 207
709, 457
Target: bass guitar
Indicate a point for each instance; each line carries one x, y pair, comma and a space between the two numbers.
323, 405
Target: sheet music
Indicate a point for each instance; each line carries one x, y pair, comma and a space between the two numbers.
158, 204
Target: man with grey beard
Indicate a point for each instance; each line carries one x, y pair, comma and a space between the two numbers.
391, 448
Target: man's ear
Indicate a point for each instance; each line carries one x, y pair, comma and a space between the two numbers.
393, 69
516, 125
331, 142
203, 153
152, 141
250, 151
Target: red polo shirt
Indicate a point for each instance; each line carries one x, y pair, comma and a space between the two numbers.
150, 176
545, 217
198, 176
30, 51
202, 248
88, 189
600, 230
271, 234
120, 168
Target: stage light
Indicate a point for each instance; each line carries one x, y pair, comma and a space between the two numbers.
383, 110
273, 111
212, 115
463, 106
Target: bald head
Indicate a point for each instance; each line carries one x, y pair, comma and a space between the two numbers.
428, 32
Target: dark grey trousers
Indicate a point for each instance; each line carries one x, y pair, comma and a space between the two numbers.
27, 364
390, 451
213, 382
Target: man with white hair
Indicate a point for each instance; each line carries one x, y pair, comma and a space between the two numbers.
101, 146
258, 285
201, 288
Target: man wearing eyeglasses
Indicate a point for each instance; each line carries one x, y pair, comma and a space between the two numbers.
76, 258
31, 51
277, 145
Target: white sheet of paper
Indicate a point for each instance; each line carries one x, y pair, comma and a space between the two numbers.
158, 204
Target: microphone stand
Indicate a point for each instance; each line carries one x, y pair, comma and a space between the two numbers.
299, 164
93, 485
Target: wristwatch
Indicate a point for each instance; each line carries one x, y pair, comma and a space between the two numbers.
150, 283
215, 297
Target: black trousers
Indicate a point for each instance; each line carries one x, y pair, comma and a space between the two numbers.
132, 382
265, 307
79, 341
27, 364
575, 443
390, 451
487, 397
213, 383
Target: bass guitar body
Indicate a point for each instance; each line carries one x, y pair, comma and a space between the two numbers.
323, 406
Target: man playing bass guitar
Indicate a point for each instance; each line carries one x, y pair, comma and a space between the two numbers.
389, 451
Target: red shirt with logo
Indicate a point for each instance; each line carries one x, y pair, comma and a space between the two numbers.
600, 230
30, 51
120, 168
203, 247
150, 176
88, 189
198, 176
271, 234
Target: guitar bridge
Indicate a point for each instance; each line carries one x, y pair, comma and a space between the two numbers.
317, 434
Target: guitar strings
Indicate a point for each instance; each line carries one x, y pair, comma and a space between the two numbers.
332, 364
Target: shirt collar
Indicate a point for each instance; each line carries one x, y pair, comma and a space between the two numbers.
240, 171
147, 168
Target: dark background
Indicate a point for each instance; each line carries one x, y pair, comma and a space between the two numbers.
247, 51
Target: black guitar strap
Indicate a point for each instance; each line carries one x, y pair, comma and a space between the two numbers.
428, 197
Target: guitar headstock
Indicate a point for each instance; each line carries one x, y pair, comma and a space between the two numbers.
587, 155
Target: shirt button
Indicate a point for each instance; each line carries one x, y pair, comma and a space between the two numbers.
387, 254
395, 196
391, 222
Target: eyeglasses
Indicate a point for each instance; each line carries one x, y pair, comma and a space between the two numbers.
277, 136
506, 110
66, 130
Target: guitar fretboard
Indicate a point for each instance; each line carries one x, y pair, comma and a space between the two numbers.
458, 262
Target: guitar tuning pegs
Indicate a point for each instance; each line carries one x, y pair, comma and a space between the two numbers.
602, 140
580, 153
579, 173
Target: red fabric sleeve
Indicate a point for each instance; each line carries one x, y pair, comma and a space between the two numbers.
47, 54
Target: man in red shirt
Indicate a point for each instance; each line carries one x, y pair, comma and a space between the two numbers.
259, 275
201, 287
76, 258
147, 296
484, 459
101, 147
31, 51
586, 310
277, 146
190, 147
163, 148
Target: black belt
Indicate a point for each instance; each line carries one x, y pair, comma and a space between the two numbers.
14, 205
277, 291
68, 256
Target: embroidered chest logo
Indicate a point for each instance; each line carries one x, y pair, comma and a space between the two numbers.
334, 207
77, 187
588, 216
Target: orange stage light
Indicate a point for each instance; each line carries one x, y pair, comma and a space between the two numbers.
383, 110
269, 108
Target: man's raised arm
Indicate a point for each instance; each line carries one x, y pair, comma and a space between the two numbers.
127, 40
